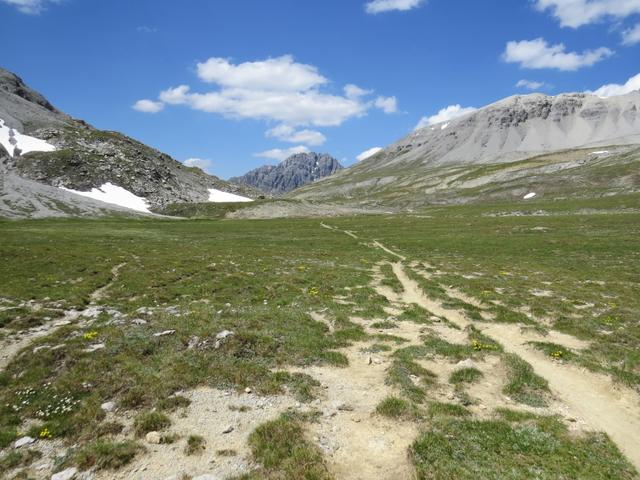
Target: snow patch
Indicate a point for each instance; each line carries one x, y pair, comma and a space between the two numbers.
115, 195
218, 196
444, 126
529, 195
12, 140
599, 152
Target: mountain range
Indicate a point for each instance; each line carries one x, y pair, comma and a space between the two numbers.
519, 148
52, 164
578, 144
296, 171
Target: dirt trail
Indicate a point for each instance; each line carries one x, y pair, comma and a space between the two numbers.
377, 244
357, 443
99, 293
11, 345
592, 398
346, 232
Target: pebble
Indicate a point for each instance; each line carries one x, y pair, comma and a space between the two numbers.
164, 334
21, 442
94, 348
247, 390
468, 363
108, 406
229, 429
153, 438
67, 474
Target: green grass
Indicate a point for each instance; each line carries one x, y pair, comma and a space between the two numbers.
199, 277
282, 450
196, 444
440, 409
398, 408
523, 385
150, 422
103, 454
468, 449
465, 375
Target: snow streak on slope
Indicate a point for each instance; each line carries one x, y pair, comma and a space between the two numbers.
12, 140
110, 193
218, 196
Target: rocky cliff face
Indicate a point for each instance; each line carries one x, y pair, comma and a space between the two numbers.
520, 127
86, 158
294, 172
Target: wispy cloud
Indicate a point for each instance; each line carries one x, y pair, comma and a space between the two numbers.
444, 115
368, 153
201, 163
279, 154
577, 13
285, 133
631, 36
538, 54
380, 6
532, 85
30, 7
148, 106
614, 89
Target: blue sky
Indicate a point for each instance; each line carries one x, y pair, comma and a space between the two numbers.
260, 77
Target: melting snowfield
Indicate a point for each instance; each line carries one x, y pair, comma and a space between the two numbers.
12, 140
110, 193
218, 196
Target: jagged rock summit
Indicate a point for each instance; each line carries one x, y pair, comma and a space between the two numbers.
54, 165
294, 172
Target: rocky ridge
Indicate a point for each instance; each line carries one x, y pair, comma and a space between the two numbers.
296, 171
86, 158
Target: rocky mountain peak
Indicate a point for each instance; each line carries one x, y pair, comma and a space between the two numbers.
296, 171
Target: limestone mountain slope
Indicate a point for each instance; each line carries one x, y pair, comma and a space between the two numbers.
577, 134
81, 158
296, 171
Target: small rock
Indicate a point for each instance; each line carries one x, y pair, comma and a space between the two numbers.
193, 342
21, 442
206, 477
94, 347
153, 438
468, 363
247, 390
108, 406
369, 361
164, 334
229, 429
67, 474
224, 334
138, 321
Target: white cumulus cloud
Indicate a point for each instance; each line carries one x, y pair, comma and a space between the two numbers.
614, 89
201, 163
380, 6
444, 115
387, 104
538, 54
281, 154
30, 7
576, 13
368, 153
148, 106
286, 133
631, 36
273, 74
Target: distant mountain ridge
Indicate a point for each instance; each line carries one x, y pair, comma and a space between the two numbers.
81, 158
447, 162
296, 171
